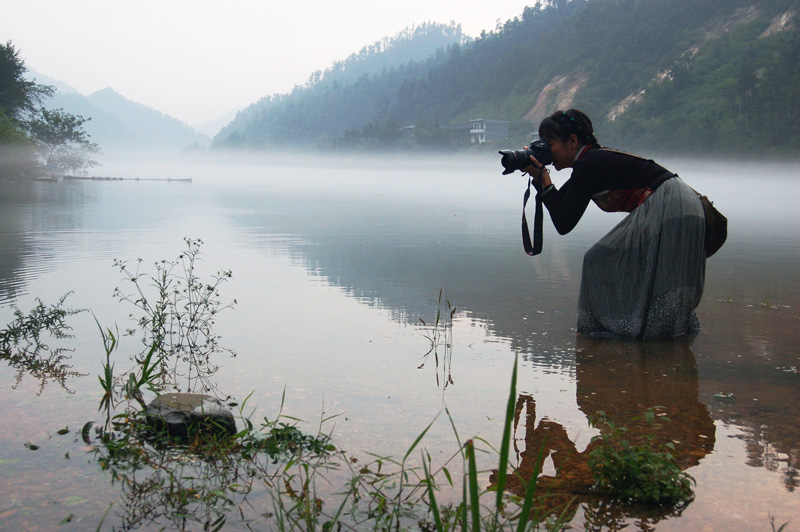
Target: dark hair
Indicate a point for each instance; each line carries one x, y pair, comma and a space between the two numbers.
561, 124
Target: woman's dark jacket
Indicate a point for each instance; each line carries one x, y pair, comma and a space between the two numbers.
615, 180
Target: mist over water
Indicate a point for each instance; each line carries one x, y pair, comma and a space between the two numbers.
336, 260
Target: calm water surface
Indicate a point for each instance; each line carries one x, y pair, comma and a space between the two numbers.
334, 267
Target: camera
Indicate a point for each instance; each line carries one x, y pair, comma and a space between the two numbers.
519, 159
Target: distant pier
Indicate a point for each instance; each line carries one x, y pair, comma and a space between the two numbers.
110, 178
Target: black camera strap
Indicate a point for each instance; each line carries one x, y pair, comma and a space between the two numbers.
536, 247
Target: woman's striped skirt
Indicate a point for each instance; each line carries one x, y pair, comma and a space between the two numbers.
645, 277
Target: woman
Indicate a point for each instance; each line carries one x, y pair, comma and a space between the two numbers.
645, 277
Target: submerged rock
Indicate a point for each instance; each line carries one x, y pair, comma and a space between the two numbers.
184, 414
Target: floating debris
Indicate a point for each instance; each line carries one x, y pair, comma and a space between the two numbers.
724, 396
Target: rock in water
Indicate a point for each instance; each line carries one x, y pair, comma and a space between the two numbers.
184, 414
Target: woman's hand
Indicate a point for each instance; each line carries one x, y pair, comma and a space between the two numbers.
541, 176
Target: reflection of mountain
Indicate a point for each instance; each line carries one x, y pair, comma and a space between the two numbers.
11, 221
26, 210
398, 256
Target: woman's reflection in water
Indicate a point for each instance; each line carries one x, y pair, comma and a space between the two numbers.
622, 379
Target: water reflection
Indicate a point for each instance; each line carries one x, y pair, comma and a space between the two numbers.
391, 240
42, 365
24, 344
12, 245
440, 335
175, 489
622, 379
748, 362
29, 213
758, 393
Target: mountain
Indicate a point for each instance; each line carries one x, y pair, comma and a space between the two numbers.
685, 76
41, 79
212, 127
118, 123
334, 100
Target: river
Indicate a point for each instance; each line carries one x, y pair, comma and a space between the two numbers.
336, 264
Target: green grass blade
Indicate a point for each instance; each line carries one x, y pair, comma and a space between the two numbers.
437, 519
473, 487
527, 504
463, 507
419, 438
506, 443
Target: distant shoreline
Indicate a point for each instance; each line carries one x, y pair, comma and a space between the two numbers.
55, 175
110, 178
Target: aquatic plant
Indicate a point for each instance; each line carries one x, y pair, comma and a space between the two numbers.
390, 494
440, 335
178, 312
202, 480
780, 528
503, 511
129, 385
643, 473
206, 481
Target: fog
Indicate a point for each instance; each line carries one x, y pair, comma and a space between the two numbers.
225, 165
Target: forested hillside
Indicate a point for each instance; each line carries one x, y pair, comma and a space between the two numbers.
350, 94
690, 76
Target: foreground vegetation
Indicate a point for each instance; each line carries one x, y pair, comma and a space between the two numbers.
206, 480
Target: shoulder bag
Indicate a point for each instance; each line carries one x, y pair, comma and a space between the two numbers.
716, 225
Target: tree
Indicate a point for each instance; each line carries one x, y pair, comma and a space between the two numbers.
18, 154
18, 96
65, 144
31, 134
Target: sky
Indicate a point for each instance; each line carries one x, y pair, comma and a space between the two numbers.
198, 60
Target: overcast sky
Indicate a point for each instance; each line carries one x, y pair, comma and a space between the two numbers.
197, 60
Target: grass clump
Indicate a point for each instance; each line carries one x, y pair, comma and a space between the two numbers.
637, 473
203, 482
200, 479
210, 483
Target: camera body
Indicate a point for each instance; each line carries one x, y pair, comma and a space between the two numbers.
518, 159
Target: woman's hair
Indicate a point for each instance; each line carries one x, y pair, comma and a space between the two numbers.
561, 124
